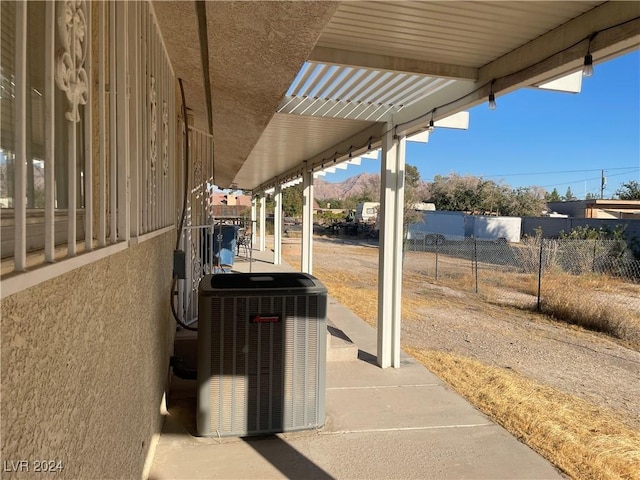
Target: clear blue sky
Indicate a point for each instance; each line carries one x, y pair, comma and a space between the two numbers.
535, 135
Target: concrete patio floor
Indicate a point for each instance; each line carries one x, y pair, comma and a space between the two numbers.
381, 424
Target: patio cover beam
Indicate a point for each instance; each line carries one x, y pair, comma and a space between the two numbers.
340, 151
549, 56
389, 63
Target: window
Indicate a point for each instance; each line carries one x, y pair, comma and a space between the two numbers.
87, 131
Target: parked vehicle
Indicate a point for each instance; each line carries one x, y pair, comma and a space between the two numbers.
367, 212
437, 227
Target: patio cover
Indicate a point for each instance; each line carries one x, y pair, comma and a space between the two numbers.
284, 86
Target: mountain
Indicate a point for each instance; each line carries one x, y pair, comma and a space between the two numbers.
352, 186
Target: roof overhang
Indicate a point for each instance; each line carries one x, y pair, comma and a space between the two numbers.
369, 65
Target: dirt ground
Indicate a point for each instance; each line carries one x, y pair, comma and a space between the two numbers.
587, 364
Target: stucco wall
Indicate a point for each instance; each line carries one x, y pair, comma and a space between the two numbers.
84, 365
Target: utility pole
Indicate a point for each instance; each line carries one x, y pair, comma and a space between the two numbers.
603, 183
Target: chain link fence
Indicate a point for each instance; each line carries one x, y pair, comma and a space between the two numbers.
595, 283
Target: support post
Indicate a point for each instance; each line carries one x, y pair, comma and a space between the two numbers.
254, 216
263, 223
307, 222
390, 260
277, 226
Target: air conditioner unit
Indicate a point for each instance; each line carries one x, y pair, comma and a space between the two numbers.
261, 353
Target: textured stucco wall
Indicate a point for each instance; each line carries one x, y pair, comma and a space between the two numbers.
84, 365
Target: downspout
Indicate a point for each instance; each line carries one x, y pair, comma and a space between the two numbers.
201, 11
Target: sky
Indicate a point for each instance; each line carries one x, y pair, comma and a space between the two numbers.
543, 138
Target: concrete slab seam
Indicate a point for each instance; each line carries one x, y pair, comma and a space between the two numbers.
384, 386
407, 429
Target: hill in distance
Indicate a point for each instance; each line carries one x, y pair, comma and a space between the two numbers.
352, 186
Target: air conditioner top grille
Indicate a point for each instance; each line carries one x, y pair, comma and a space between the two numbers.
266, 283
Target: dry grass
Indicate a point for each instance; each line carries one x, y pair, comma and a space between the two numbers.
570, 303
593, 301
583, 440
345, 287
358, 292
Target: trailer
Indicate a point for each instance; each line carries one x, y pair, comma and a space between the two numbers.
367, 212
437, 227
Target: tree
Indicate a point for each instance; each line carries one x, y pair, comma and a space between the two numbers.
524, 202
412, 176
455, 193
332, 202
591, 196
569, 196
629, 191
292, 201
554, 196
411, 195
480, 196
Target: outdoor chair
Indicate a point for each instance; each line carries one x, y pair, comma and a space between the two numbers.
243, 242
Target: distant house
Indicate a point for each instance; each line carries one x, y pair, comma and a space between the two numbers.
607, 209
607, 214
229, 205
230, 199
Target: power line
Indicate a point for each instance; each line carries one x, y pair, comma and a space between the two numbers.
561, 171
580, 181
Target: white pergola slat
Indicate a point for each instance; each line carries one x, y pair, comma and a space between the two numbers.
322, 90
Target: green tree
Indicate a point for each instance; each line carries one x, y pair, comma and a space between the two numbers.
591, 196
270, 204
629, 191
554, 196
412, 176
292, 201
411, 195
333, 202
524, 202
569, 196
477, 195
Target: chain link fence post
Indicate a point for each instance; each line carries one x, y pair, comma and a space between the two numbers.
436, 260
475, 259
540, 273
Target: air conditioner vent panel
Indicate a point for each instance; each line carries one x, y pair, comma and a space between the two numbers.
261, 356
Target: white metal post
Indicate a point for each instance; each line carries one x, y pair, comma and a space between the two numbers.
113, 124
133, 104
263, 223
88, 139
72, 162
102, 127
390, 260
254, 216
72, 193
49, 133
20, 159
277, 226
144, 121
307, 222
122, 127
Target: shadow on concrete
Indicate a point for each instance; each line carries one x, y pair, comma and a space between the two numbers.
367, 357
290, 462
336, 332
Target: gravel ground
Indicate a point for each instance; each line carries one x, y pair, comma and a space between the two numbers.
579, 362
